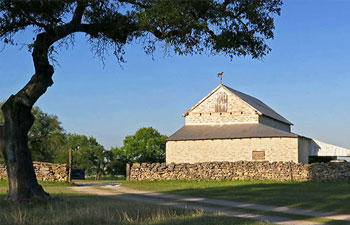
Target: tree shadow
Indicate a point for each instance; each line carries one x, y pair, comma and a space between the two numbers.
210, 220
321, 196
90, 209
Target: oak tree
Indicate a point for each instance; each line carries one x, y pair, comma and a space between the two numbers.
229, 27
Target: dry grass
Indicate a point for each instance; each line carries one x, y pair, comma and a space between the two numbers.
79, 209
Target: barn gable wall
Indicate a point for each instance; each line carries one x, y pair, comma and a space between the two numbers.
222, 107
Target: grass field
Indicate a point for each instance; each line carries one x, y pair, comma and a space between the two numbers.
324, 196
78, 209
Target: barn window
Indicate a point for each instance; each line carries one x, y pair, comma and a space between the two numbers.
258, 155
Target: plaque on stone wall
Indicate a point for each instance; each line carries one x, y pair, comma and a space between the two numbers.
221, 102
258, 155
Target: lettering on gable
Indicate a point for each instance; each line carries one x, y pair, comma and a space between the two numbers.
221, 102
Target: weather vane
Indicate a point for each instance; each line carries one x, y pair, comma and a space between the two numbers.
220, 76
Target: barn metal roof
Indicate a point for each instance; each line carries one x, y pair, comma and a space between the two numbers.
227, 131
259, 106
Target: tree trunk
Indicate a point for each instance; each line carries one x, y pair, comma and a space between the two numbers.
23, 184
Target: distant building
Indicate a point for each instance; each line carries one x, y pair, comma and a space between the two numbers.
228, 125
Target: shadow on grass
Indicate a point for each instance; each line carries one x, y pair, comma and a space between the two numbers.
210, 220
96, 210
89, 209
321, 196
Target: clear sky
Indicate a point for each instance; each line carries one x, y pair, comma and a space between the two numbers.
306, 78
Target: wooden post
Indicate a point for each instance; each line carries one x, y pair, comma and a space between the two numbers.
291, 170
127, 177
70, 165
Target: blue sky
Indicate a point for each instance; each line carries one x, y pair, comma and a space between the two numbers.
305, 78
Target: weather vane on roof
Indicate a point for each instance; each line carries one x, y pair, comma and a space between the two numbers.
220, 76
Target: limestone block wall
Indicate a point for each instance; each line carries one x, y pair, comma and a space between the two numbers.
241, 170
221, 117
236, 111
44, 171
230, 150
274, 123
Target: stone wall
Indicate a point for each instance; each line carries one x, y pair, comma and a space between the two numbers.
231, 150
241, 170
44, 171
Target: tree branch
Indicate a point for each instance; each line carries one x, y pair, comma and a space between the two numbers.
79, 12
134, 2
34, 21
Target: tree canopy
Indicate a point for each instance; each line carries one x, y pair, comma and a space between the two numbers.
88, 154
46, 136
146, 145
232, 27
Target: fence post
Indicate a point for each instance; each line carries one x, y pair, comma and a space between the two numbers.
127, 177
290, 171
70, 165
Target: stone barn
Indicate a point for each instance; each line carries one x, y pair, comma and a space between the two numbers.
228, 125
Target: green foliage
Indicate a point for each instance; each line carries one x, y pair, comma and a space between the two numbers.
230, 27
48, 142
87, 153
146, 145
45, 138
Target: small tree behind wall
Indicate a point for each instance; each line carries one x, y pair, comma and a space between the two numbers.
146, 145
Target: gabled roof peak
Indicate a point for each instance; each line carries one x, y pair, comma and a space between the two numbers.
255, 103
